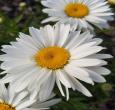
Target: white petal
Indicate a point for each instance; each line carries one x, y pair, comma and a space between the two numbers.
96, 77
64, 33
19, 97
36, 33
81, 88
59, 86
63, 78
47, 87
25, 104
81, 54
3, 92
88, 62
100, 70
78, 73
50, 19
47, 103
101, 56
67, 93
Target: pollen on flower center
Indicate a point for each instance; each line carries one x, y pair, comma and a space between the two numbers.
4, 106
52, 57
76, 10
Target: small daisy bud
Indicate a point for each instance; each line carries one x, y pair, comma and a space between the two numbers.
1, 19
22, 4
107, 87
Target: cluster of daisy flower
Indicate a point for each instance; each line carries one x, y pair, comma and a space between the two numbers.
62, 55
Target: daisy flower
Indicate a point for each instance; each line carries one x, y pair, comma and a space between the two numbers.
80, 14
9, 100
54, 54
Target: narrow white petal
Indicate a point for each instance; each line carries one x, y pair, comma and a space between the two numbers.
47, 87
25, 104
59, 85
47, 103
63, 78
78, 73
64, 33
101, 70
85, 62
96, 77
20, 96
81, 88
3, 92
101, 56
91, 50
67, 93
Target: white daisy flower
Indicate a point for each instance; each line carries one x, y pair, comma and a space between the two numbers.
9, 100
81, 14
54, 54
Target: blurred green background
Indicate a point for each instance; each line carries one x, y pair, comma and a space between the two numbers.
17, 15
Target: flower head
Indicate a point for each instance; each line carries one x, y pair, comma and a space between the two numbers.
80, 14
10, 100
54, 55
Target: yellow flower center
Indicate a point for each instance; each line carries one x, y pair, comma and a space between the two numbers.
4, 106
52, 57
76, 10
